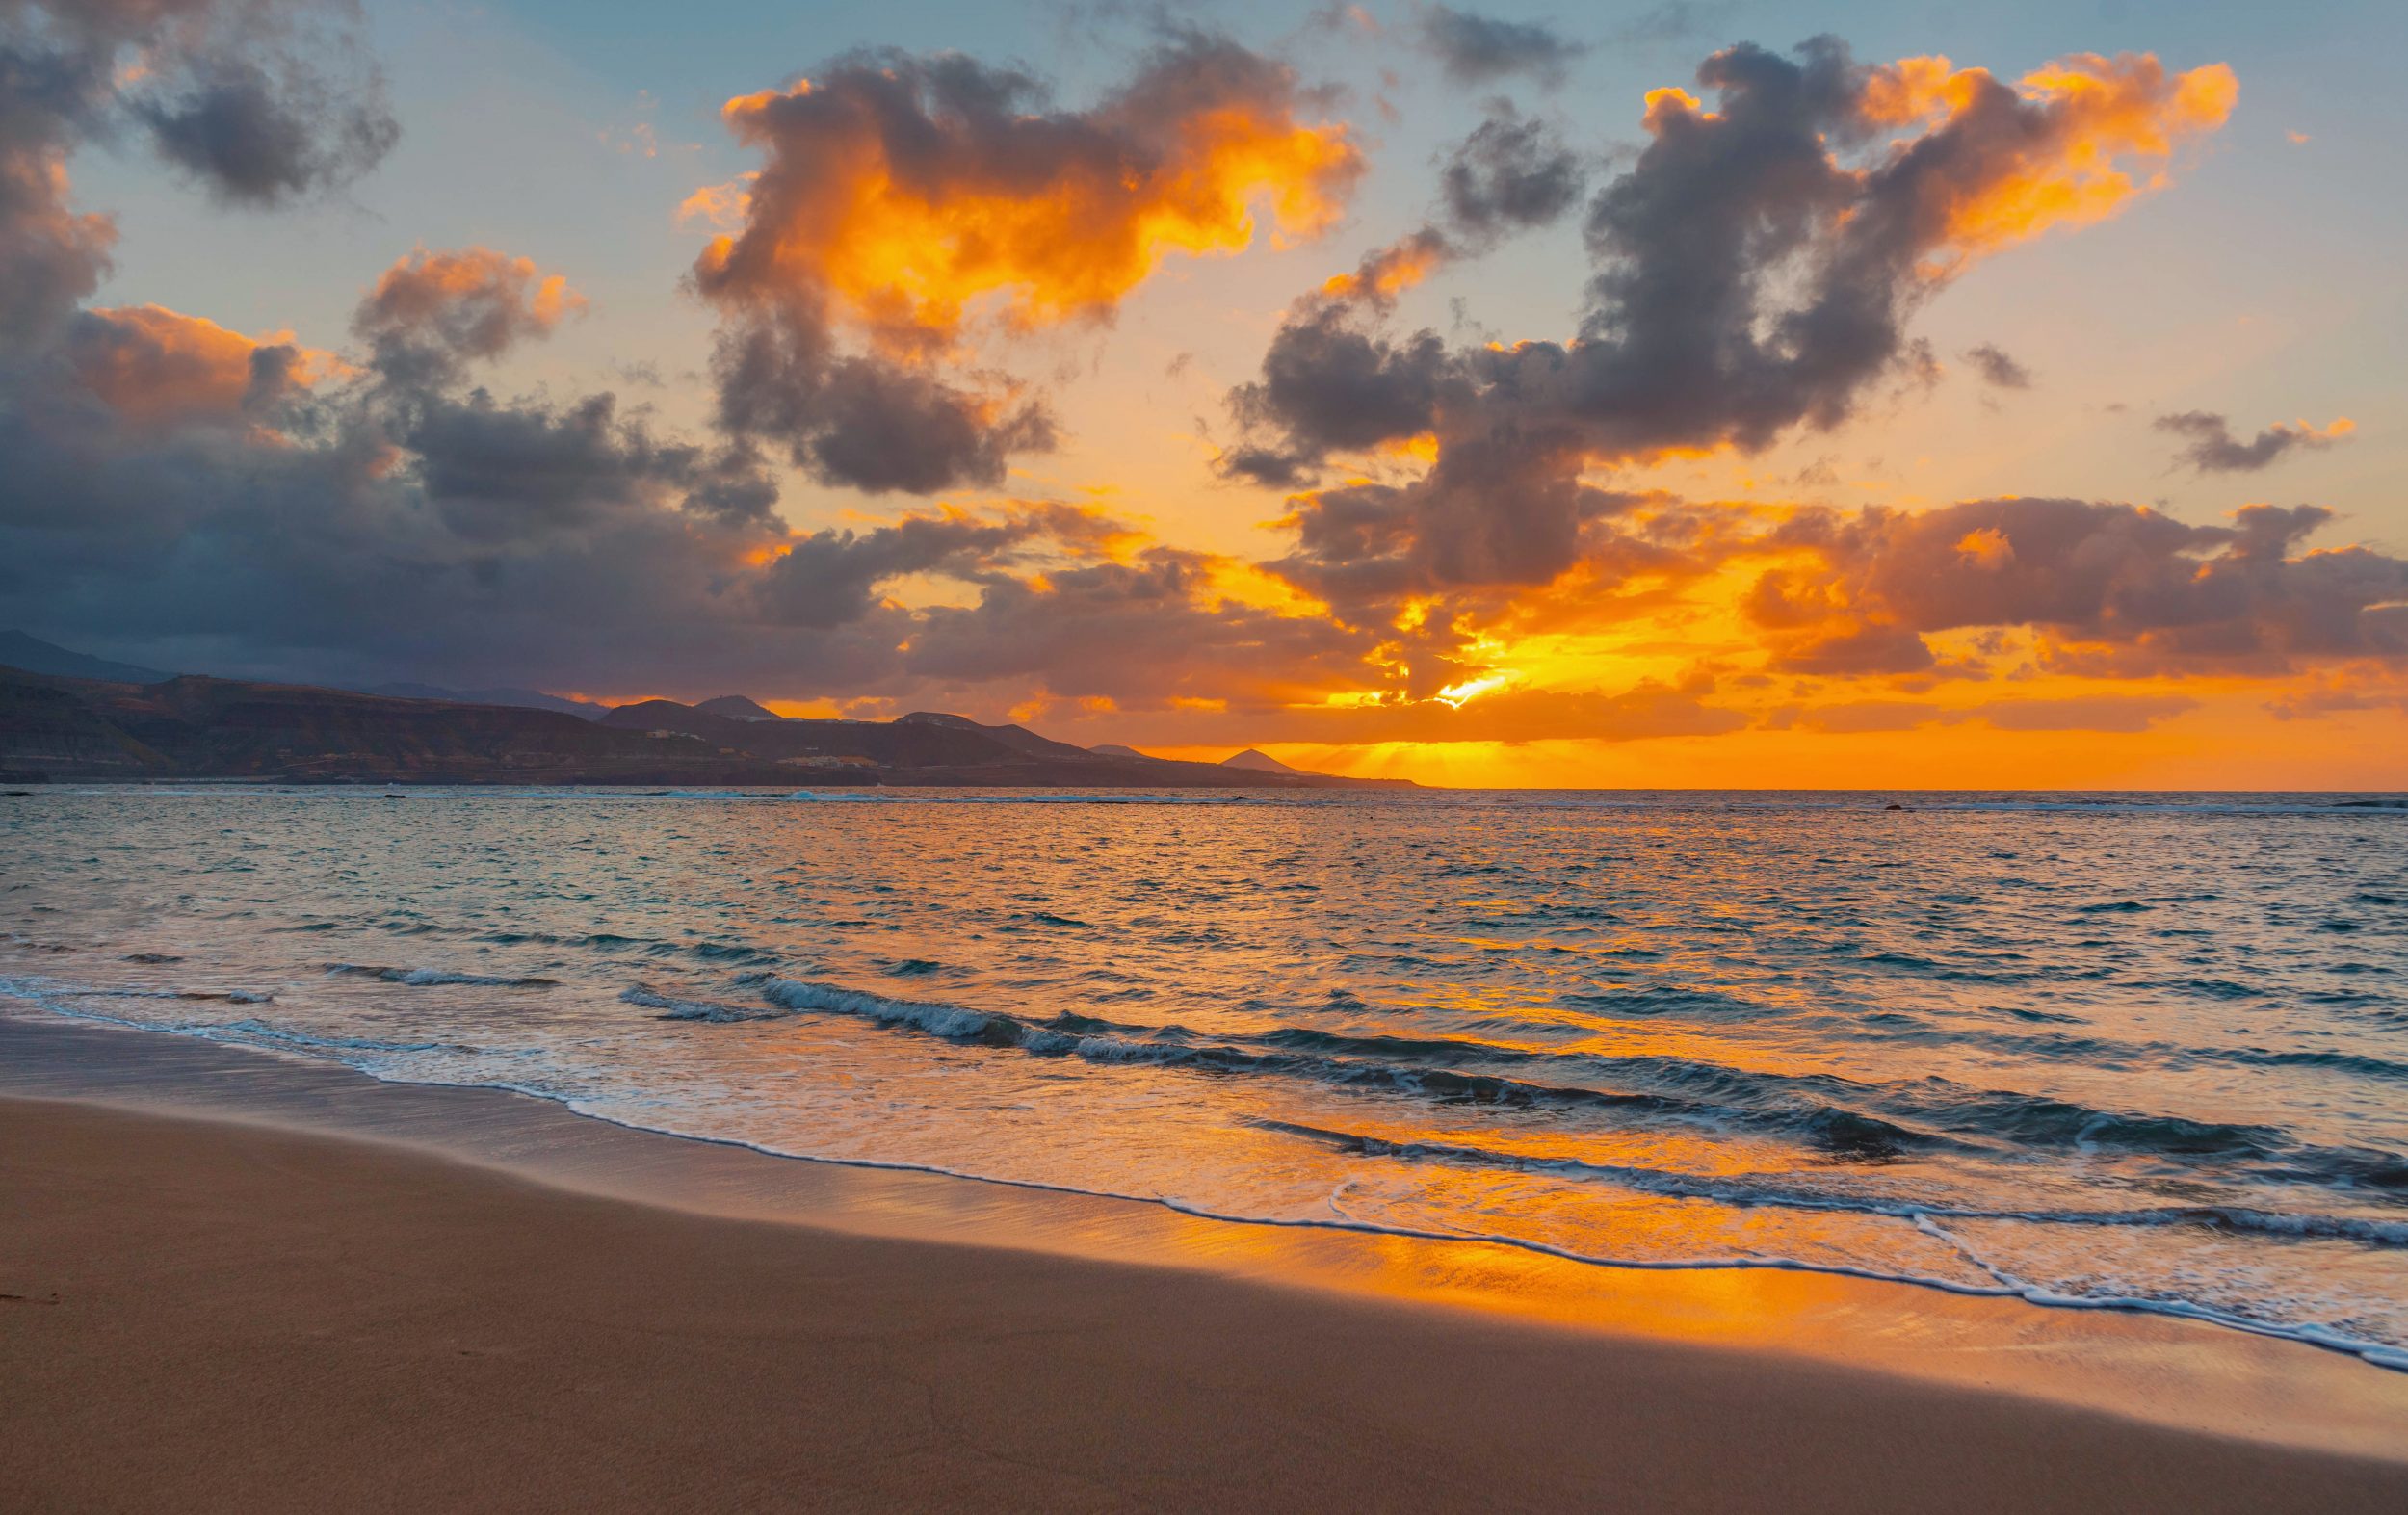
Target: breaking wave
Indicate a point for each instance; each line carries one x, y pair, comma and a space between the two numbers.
428, 977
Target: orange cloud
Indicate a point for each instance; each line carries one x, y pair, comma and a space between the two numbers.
423, 284
903, 196
2076, 139
1390, 271
721, 205
157, 367
904, 199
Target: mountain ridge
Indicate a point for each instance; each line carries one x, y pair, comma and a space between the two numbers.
194, 726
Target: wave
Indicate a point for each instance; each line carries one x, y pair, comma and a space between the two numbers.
674, 1008
1856, 1121
227, 996
2106, 1052
427, 978
1840, 1130
1766, 1192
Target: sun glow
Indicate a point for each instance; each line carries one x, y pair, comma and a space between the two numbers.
1464, 693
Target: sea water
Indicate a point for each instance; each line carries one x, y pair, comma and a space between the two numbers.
2136, 1050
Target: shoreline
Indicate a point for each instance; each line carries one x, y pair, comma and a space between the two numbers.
297, 1321
2150, 1372
2383, 1358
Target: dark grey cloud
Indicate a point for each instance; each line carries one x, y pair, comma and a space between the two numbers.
254, 139
887, 428
1475, 49
2211, 447
521, 470
829, 579
1998, 368
258, 101
1512, 173
1329, 385
1331, 382
865, 421
1365, 546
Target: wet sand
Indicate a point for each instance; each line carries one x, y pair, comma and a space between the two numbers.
216, 1316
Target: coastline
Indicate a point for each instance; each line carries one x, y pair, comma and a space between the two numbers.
294, 1320
1317, 1329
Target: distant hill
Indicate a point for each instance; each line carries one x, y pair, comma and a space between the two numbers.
1019, 739
19, 650
1255, 762
191, 727
735, 707
517, 698
1113, 750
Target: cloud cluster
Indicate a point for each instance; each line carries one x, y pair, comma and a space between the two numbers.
432, 313
2112, 588
900, 197
1755, 269
258, 101
245, 503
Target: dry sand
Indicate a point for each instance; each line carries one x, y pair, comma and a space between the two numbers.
208, 1316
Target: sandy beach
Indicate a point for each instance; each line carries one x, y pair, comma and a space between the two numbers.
211, 1315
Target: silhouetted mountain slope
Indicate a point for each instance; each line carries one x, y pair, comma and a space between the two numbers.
736, 707
1257, 762
19, 650
228, 728
524, 698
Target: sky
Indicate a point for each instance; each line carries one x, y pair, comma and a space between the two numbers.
1653, 394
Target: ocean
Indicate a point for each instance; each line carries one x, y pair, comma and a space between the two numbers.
2141, 1051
